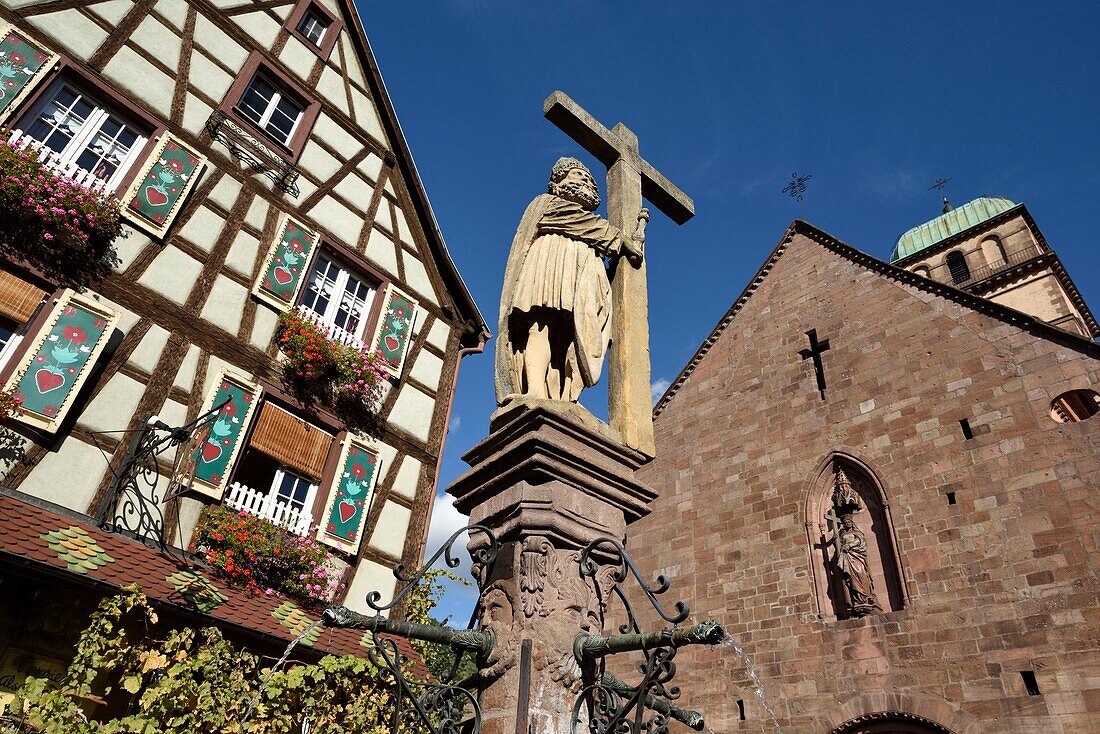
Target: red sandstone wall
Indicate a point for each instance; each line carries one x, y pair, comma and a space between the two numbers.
1003, 581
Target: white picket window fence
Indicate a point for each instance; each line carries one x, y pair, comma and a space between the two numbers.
51, 160
266, 505
335, 333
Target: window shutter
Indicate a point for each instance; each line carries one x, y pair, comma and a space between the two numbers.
18, 298
291, 441
47, 380
162, 183
217, 442
29, 62
285, 264
350, 495
395, 326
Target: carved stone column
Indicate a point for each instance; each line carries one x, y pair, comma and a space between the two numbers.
547, 485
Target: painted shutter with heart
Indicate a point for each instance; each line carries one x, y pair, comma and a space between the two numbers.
395, 329
217, 442
285, 264
60, 358
162, 183
350, 496
24, 62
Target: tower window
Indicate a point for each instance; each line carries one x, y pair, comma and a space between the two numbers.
1075, 406
956, 264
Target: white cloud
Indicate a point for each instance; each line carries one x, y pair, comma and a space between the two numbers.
446, 520
456, 423
657, 388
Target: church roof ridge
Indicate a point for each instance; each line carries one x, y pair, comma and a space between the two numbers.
477, 330
823, 238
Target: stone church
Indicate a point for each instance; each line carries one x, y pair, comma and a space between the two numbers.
880, 477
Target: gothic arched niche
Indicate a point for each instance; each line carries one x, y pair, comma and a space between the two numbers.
854, 552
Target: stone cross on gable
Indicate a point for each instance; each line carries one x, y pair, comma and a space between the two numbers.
630, 179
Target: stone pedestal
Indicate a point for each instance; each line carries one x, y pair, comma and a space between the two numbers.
546, 483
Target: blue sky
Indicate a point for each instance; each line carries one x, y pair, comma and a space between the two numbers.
875, 100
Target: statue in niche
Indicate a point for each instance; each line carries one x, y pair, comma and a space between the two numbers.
850, 546
555, 309
852, 562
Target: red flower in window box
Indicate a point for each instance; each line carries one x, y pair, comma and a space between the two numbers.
74, 334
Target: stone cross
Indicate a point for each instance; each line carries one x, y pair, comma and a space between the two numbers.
817, 348
629, 179
834, 525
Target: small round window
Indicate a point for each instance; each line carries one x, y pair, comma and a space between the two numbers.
1075, 406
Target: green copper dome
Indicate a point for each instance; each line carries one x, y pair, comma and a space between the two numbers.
947, 224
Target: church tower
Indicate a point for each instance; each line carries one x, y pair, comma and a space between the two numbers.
992, 248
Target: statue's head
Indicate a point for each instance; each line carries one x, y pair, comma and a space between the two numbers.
571, 180
847, 522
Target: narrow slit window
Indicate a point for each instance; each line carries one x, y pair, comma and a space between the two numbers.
741, 709
956, 265
951, 498
1030, 683
968, 432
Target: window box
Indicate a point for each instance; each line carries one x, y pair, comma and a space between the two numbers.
315, 26
266, 103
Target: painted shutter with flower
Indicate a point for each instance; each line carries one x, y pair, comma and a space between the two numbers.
24, 62
350, 496
163, 181
214, 447
286, 262
60, 359
395, 329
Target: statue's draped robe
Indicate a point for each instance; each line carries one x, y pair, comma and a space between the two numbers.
857, 574
556, 262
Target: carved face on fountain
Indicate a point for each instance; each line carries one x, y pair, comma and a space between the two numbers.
571, 180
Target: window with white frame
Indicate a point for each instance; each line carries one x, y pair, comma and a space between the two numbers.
293, 491
9, 340
340, 298
313, 26
86, 136
270, 108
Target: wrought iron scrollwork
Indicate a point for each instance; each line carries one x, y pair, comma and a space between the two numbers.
253, 153
439, 708
482, 555
133, 502
608, 705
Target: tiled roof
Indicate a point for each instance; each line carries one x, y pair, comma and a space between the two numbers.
36, 537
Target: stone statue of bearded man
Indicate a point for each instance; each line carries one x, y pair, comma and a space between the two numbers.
555, 309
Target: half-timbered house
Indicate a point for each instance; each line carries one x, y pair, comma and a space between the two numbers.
260, 169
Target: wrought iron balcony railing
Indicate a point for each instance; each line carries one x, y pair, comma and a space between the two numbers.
1016, 258
253, 153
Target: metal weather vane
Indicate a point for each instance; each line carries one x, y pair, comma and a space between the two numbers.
939, 185
796, 187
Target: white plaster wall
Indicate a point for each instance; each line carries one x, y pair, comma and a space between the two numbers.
257, 212
189, 512
331, 87
146, 354
427, 369
242, 253
318, 163
203, 228
263, 329
213, 39
154, 35
371, 167
389, 535
68, 477
412, 412
339, 220
260, 26
173, 412
185, 377
298, 58
439, 334
356, 190
381, 252
335, 135
172, 273
225, 192
382, 217
112, 11
416, 278
80, 36
174, 11
207, 77
407, 477
131, 73
225, 306
116, 403
128, 247
195, 114
370, 576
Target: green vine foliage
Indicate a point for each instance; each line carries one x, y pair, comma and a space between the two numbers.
158, 680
